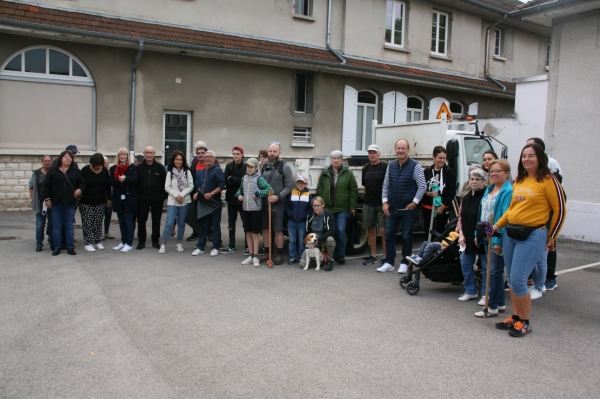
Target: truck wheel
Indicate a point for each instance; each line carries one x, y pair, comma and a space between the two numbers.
362, 244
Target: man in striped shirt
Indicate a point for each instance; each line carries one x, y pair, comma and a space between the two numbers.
403, 188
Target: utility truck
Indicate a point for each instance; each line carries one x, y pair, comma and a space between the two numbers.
464, 148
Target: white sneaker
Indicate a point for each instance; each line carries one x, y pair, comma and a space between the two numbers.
179, 247
535, 294
481, 301
197, 252
247, 261
99, 246
119, 247
126, 248
402, 269
89, 248
386, 267
466, 297
214, 252
490, 313
256, 262
162, 249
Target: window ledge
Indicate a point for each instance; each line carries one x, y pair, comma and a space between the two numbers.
395, 47
498, 58
440, 57
303, 17
304, 145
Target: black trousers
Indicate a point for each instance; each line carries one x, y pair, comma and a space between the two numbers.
232, 213
551, 272
191, 219
144, 208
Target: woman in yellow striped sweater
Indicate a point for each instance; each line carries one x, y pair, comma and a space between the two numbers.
536, 193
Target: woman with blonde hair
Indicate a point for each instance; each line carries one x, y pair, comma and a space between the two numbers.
123, 178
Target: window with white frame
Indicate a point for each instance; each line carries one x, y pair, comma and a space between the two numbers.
456, 109
439, 33
498, 42
394, 22
45, 62
302, 135
366, 113
414, 109
303, 7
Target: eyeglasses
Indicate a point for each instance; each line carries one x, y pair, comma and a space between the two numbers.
495, 172
317, 205
336, 158
475, 179
209, 156
200, 152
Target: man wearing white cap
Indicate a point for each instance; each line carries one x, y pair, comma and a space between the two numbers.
373, 175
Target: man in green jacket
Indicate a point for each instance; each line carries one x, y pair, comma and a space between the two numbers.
337, 186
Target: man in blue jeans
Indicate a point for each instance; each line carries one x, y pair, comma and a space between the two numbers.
403, 188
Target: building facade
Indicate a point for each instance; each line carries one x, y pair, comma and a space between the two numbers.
103, 74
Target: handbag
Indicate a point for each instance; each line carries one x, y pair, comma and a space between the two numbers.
519, 231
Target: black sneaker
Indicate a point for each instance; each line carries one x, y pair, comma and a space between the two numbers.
340, 259
193, 237
507, 324
141, 245
246, 252
519, 330
370, 260
227, 250
38, 248
155, 245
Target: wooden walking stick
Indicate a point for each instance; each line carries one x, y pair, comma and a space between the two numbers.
489, 269
270, 261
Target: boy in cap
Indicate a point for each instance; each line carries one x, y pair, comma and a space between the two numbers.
253, 187
298, 207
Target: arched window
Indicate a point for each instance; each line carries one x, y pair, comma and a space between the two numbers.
414, 109
46, 90
457, 109
366, 112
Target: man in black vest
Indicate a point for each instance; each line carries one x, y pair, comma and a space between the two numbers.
403, 188
151, 196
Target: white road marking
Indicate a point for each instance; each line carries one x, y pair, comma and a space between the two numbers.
578, 268
363, 256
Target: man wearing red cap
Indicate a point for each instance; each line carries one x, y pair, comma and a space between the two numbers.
234, 173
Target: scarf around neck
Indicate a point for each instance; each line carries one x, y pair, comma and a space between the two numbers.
180, 175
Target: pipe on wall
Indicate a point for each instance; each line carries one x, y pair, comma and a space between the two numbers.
329, 34
138, 58
487, 53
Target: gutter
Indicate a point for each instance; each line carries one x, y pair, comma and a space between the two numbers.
134, 68
543, 7
347, 68
329, 35
487, 53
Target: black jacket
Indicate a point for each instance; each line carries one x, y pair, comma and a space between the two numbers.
234, 173
449, 179
469, 216
151, 181
60, 187
128, 189
328, 225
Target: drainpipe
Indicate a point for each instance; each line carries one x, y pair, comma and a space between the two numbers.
133, 79
487, 53
329, 34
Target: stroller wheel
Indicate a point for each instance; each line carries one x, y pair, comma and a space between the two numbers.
413, 288
403, 281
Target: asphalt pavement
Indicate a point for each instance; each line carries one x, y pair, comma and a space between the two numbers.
142, 325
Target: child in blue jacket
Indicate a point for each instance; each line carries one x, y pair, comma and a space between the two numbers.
298, 207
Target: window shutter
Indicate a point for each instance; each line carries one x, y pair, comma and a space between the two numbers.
473, 108
434, 106
401, 100
389, 105
349, 123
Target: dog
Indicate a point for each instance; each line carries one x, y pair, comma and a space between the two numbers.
314, 253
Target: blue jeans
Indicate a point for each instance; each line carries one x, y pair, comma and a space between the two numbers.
406, 219
341, 219
40, 221
62, 217
520, 258
466, 263
428, 248
539, 272
296, 233
127, 226
175, 214
496, 280
214, 221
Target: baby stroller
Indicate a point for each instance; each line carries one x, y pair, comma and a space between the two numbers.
443, 266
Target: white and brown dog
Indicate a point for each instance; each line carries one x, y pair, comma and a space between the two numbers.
314, 253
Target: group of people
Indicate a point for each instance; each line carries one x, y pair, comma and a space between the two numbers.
524, 218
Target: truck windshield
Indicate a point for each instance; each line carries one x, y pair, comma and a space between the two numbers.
474, 149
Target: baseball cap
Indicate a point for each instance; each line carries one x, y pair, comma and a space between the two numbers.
373, 147
252, 162
72, 148
301, 178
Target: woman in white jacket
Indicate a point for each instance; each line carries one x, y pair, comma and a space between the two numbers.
179, 184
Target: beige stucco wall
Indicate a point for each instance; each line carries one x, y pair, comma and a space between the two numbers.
357, 28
